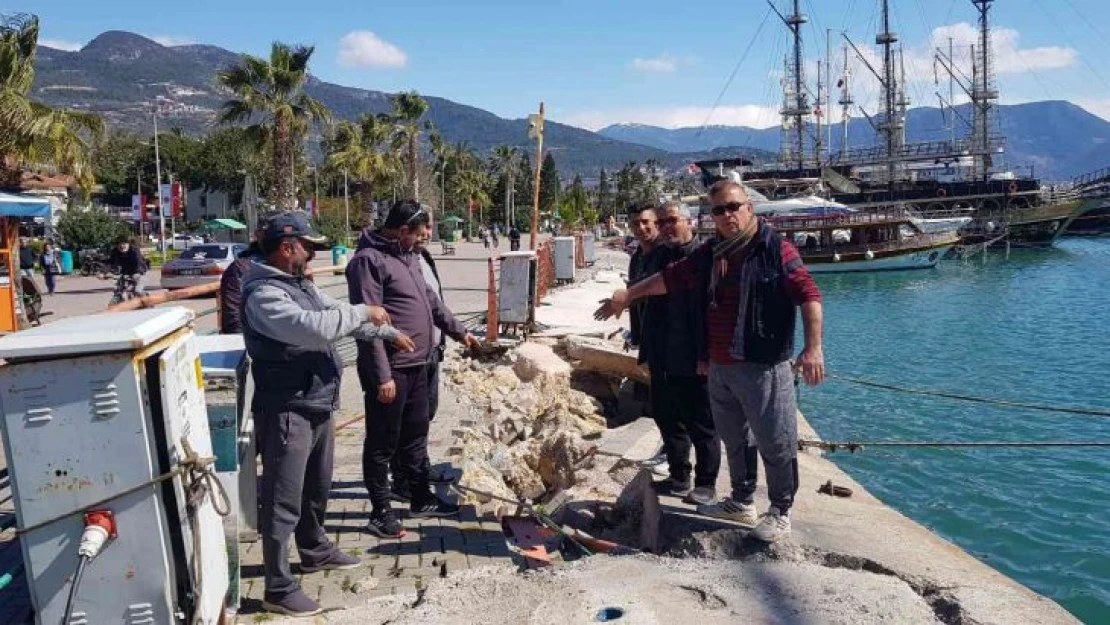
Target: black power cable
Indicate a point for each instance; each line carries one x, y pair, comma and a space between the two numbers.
67, 617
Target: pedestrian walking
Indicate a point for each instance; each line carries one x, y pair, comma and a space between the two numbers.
386, 271
514, 238
754, 282
26, 258
290, 328
49, 263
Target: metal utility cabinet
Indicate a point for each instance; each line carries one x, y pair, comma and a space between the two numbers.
564, 259
516, 294
94, 407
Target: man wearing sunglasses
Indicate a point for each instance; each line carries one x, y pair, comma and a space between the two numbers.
754, 282
386, 272
678, 357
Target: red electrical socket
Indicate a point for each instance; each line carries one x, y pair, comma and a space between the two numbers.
103, 518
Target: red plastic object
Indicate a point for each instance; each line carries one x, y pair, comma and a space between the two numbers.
103, 518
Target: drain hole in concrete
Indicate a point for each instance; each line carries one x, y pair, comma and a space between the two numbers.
605, 615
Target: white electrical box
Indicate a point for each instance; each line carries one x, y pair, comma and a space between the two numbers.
516, 293
589, 251
93, 407
564, 259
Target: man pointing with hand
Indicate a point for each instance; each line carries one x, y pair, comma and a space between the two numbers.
754, 283
386, 272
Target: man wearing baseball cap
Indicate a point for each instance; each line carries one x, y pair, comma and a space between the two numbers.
290, 328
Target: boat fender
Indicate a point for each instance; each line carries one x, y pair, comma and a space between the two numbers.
941, 192
836, 258
869, 255
1012, 187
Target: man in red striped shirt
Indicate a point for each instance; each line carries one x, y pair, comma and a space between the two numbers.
755, 282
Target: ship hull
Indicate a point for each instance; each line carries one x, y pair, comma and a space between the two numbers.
1092, 221
894, 260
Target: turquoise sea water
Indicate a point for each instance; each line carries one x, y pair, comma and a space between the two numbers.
1034, 327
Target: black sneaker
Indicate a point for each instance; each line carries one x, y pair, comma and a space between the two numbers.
434, 507
295, 603
672, 487
384, 525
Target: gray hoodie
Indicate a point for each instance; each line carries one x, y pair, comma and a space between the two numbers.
274, 314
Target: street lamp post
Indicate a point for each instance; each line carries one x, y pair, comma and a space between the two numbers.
346, 210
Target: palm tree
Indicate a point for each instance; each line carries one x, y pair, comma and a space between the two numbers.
31, 132
408, 108
272, 91
362, 149
504, 158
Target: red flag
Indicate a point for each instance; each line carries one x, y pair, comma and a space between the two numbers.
176, 198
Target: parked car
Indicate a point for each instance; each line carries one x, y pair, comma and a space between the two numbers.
200, 264
183, 242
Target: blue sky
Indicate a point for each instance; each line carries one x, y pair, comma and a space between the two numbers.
609, 61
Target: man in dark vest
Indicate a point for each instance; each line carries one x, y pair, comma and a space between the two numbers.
289, 328
754, 281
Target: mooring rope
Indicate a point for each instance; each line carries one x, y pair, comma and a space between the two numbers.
860, 446
1093, 412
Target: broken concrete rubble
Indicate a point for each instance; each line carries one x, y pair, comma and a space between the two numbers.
534, 429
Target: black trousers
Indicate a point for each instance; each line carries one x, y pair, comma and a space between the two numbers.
680, 407
297, 459
399, 428
400, 481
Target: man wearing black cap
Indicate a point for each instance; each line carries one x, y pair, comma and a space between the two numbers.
289, 328
386, 272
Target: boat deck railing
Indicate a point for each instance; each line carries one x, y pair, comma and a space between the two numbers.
887, 216
919, 241
876, 154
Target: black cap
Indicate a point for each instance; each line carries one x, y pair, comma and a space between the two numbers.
291, 224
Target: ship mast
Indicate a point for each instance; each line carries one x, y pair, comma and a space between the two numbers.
795, 106
893, 125
984, 93
846, 103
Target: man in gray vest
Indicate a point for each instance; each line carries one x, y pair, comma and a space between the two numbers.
289, 328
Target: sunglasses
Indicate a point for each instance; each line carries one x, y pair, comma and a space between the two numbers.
668, 221
731, 207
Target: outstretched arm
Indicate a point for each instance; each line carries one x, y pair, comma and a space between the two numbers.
623, 298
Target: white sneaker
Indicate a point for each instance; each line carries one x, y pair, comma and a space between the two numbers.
727, 509
662, 470
773, 526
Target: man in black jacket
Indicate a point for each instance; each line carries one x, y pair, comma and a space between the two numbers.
231, 286
678, 357
400, 487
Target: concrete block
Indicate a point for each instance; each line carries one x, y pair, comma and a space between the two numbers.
537, 361
605, 357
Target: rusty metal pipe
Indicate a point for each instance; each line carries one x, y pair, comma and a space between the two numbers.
162, 297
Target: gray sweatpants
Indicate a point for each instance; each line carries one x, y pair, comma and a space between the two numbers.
297, 457
754, 410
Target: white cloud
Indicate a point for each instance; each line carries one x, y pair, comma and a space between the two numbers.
662, 63
362, 48
172, 40
1010, 57
61, 44
751, 115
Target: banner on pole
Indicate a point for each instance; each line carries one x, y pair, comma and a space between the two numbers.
138, 207
171, 199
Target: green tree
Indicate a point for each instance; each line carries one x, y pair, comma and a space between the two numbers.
504, 164
523, 186
81, 230
604, 194
31, 131
225, 158
272, 92
408, 109
119, 160
362, 149
549, 184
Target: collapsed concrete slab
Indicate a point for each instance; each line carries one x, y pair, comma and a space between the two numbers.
605, 357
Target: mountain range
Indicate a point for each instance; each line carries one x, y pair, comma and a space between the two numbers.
1055, 140
118, 74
